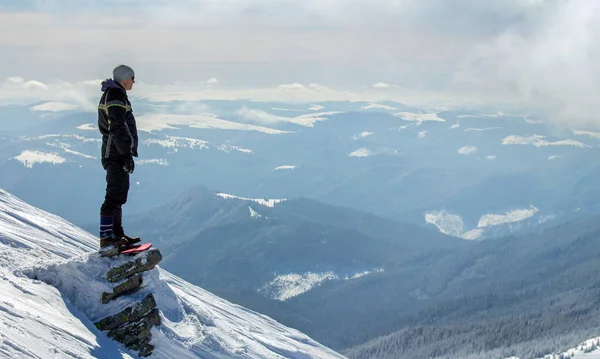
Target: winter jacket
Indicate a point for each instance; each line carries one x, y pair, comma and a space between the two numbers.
116, 122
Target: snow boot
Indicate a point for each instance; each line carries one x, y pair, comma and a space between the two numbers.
120, 232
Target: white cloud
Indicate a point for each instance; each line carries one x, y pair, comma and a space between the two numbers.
292, 87
261, 116
377, 105
549, 60
15, 80
33, 85
157, 122
511, 52
316, 107
382, 85
491, 157
422, 134
467, 150
54, 107
587, 133
211, 81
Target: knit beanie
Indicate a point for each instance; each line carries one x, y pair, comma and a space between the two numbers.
122, 72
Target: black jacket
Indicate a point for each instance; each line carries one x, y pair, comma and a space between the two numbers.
116, 122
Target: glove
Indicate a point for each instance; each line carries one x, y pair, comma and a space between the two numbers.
128, 165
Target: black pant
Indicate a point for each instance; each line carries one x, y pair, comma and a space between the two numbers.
117, 188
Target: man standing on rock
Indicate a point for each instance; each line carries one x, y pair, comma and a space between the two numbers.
119, 145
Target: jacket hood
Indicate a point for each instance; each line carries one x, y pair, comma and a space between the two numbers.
111, 84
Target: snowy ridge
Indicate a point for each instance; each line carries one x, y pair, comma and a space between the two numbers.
263, 201
38, 320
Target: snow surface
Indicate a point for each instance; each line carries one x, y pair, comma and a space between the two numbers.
157, 122
284, 167
30, 158
419, 118
540, 141
586, 350
174, 142
482, 129
422, 134
466, 150
158, 161
87, 127
509, 217
253, 213
453, 225
54, 136
67, 148
362, 135
284, 287
38, 320
264, 202
447, 223
361, 152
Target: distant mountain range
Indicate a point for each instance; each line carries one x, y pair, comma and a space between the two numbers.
467, 173
360, 283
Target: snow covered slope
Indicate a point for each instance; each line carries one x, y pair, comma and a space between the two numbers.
38, 320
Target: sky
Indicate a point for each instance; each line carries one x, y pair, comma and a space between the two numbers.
532, 53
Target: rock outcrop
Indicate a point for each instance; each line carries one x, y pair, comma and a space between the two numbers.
132, 326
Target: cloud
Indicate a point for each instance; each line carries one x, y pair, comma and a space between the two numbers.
550, 60
54, 107
382, 85
259, 116
518, 53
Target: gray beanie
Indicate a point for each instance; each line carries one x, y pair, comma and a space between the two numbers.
122, 72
